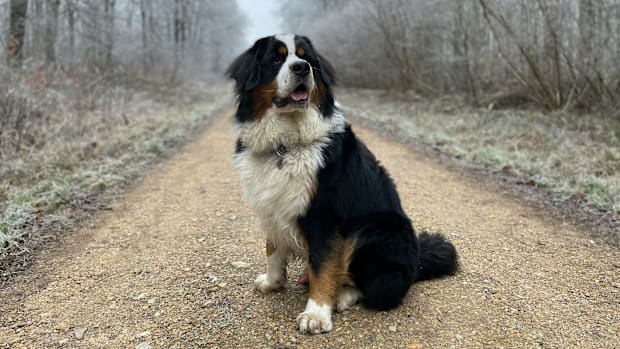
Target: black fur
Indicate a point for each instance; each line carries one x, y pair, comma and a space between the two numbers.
357, 199
437, 256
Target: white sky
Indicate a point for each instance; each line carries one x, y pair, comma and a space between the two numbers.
262, 17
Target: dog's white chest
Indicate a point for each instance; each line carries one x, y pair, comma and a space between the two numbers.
280, 189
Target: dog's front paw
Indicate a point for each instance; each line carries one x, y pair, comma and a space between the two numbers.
263, 284
316, 319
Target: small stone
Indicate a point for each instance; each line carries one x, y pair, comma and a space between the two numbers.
240, 265
293, 340
79, 332
143, 334
63, 341
143, 345
222, 284
392, 328
151, 301
139, 297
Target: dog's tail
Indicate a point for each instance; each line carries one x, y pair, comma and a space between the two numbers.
437, 257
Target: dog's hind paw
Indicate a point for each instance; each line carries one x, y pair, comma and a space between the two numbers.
347, 297
263, 284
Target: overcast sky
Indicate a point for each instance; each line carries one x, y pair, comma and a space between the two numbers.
262, 17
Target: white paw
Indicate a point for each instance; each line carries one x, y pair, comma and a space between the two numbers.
347, 297
315, 319
263, 284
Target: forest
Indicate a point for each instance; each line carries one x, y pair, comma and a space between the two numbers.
93, 92
124, 222
555, 54
145, 38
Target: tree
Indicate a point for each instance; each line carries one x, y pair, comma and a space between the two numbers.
17, 31
52, 31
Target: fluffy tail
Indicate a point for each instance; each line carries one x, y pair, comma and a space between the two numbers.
437, 257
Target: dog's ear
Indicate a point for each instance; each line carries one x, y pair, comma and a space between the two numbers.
325, 67
327, 70
245, 69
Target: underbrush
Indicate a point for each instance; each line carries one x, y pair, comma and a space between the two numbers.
572, 156
67, 138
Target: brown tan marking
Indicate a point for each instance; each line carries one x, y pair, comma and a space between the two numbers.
263, 98
317, 94
301, 52
332, 273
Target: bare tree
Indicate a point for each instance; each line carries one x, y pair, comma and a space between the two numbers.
557, 54
109, 15
51, 30
17, 30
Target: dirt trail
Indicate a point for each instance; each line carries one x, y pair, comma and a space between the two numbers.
157, 269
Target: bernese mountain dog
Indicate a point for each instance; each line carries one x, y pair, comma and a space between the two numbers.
318, 191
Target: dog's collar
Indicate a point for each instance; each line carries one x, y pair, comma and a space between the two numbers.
281, 150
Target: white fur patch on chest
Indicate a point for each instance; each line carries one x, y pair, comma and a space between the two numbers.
281, 189
280, 194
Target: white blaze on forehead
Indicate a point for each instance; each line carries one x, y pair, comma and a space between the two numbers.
289, 41
284, 79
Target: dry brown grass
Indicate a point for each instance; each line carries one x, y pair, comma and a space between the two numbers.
67, 138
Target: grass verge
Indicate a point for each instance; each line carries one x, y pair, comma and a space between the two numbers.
572, 157
67, 157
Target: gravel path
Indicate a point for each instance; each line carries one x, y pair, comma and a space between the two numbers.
173, 264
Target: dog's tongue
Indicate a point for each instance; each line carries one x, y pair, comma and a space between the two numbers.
303, 280
299, 96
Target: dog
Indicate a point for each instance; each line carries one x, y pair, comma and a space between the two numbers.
318, 191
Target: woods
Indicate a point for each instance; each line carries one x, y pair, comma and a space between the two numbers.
92, 92
554, 54
146, 38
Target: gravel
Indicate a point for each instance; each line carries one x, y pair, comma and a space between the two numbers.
512, 291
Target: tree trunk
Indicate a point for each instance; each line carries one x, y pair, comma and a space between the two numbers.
145, 44
52, 31
109, 31
71, 25
17, 31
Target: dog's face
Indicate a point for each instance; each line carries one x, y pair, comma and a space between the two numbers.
283, 73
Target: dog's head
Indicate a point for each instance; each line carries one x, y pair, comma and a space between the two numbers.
283, 73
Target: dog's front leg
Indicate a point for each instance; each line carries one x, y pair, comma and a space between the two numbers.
275, 277
324, 269
317, 317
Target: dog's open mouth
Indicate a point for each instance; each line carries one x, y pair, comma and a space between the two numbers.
300, 93
297, 98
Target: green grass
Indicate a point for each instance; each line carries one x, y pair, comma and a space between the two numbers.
569, 155
78, 155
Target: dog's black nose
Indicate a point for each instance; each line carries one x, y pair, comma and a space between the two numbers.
301, 69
